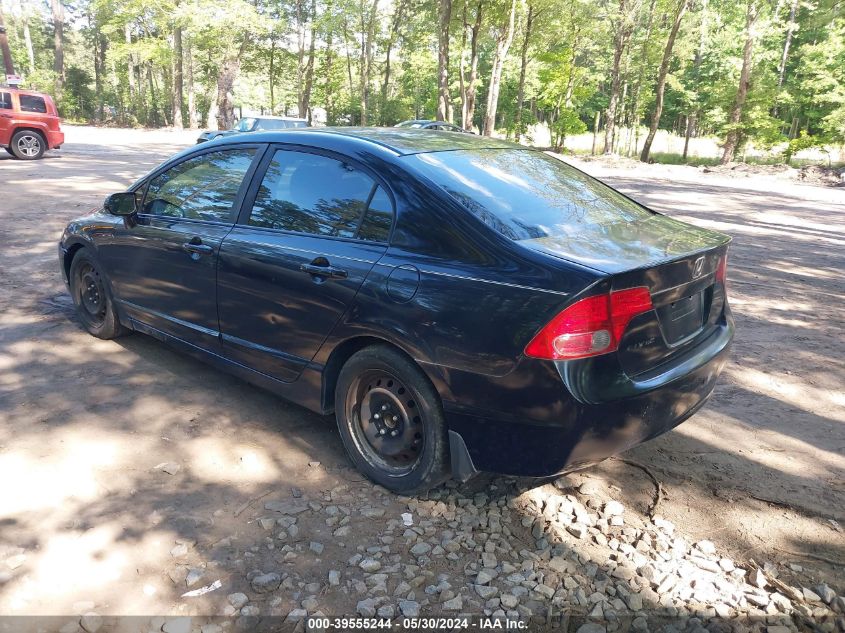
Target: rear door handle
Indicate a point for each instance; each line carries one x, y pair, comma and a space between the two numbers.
197, 247
324, 271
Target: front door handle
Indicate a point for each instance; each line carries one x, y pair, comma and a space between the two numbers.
324, 270
196, 247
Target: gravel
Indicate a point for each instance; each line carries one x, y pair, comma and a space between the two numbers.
562, 548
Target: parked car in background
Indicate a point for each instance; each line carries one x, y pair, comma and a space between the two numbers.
427, 124
29, 123
255, 124
460, 303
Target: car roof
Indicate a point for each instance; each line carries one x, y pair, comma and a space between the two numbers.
21, 91
400, 141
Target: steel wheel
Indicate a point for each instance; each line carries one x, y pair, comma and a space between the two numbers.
385, 420
91, 294
29, 145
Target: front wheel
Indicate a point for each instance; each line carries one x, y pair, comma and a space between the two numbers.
391, 421
91, 295
27, 145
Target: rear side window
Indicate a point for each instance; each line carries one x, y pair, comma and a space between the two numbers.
5, 101
201, 188
31, 103
525, 194
309, 193
379, 217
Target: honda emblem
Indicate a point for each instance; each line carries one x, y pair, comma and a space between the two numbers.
697, 268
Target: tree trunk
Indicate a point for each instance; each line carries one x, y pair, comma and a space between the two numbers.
154, 106
622, 33
305, 98
503, 44
635, 105
272, 74
27, 38
229, 71
8, 66
523, 66
732, 140
660, 89
445, 17
178, 84
394, 32
189, 81
58, 13
703, 38
348, 54
130, 64
471, 82
596, 122
330, 116
790, 30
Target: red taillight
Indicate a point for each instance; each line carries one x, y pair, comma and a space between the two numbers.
591, 326
722, 270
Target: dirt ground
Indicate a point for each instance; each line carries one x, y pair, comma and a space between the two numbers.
91, 521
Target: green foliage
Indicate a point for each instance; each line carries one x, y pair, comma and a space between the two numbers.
565, 78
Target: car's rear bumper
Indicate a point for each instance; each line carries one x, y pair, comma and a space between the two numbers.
564, 432
55, 138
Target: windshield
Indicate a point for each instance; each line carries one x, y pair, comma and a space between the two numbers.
244, 125
525, 194
410, 124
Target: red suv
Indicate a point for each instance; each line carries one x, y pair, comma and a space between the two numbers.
29, 123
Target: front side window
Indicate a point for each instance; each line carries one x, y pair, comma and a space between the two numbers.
31, 103
309, 193
5, 101
201, 188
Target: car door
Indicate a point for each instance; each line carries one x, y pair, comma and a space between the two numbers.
309, 232
163, 265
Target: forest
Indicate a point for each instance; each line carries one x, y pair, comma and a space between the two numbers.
765, 72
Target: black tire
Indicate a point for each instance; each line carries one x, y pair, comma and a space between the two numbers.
406, 450
91, 294
27, 145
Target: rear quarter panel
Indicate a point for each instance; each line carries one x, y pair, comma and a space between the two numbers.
453, 294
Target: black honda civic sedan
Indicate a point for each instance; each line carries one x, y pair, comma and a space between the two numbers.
460, 303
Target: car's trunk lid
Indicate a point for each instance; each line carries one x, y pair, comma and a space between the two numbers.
676, 261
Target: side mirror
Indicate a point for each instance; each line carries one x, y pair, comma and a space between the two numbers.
123, 203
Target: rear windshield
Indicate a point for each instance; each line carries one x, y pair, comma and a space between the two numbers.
526, 194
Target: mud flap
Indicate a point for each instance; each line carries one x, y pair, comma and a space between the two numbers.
462, 466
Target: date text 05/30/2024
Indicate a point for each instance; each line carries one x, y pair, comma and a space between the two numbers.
414, 624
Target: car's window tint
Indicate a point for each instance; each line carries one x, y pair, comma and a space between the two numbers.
297, 124
378, 218
31, 103
309, 193
201, 188
526, 194
5, 101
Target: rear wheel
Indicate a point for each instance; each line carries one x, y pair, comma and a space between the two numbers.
27, 145
391, 421
90, 292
